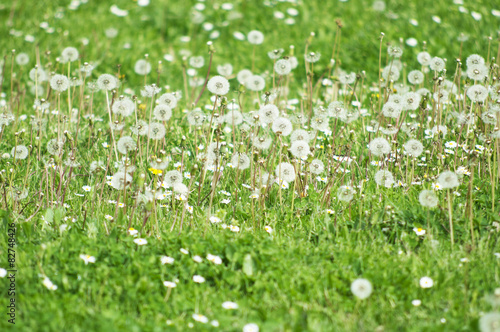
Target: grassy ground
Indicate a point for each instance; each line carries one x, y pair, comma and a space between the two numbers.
287, 260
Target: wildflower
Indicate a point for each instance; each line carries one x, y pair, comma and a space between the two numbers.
87, 259
3, 273
251, 327
47, 283
198, 279
108, 217
214, 259
132, 231
268, 229
416, 303
200, 318
426, 282
345, 194
155, 171
419, 231
169, 284
234, 228
166, 260
197, 259
86, 188
140, 242
229, 305
184, 251
361, 288
214, 220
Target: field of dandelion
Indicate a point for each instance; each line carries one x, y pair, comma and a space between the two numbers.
249, 165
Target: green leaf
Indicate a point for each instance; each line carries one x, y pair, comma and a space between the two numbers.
248, 265
49, 215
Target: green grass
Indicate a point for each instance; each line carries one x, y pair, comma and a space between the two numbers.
295, 278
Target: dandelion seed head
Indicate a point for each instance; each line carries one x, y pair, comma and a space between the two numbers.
218, 85
361, 288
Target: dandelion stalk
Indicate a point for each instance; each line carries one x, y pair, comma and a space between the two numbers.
450, 214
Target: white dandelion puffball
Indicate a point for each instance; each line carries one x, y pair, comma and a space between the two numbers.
19, 152
300, 149
156, 131
172, 177
428, 198
168, 99
162, 112
437, 64
490, 322
244, 75
361, 288
106, 82
240, 161
218, 85
59, 83
255, 83
448, 180
384, 178
126, 144
283, 126
69, 54
255, 37
316, 166
142, 67
268, 113
285, 171
415, 77
414, 147
124, 107
379, 146
345, 194
283, 67
300, 135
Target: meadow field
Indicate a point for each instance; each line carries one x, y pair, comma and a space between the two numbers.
260, 165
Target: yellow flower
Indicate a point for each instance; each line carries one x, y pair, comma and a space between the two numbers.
155, 171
